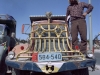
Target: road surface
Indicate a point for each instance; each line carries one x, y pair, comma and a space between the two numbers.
97, 71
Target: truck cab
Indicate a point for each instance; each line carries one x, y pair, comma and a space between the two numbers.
7, 26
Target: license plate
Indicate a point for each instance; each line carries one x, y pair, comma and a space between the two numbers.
54, 56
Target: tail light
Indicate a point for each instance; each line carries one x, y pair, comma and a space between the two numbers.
22, 47
35, 57
77, 47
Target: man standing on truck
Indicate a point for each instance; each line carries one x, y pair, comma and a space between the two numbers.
78, 23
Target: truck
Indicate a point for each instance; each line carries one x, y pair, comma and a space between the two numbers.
49, 50
7, 26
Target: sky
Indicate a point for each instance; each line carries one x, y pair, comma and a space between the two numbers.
22, 9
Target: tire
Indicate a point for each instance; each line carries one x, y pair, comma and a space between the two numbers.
19, 72
83, 71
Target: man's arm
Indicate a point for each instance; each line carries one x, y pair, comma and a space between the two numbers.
67, 14
88, 6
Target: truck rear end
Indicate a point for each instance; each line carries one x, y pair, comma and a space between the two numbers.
49, 50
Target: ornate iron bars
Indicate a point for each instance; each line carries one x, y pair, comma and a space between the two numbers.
51, 38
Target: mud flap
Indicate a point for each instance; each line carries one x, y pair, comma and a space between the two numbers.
20, 72
83, 71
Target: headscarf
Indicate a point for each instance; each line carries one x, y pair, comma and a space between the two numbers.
72, 2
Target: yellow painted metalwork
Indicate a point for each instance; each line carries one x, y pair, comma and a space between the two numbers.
44, 45
39, 38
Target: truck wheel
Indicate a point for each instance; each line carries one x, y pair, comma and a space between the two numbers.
20, 72
83, 71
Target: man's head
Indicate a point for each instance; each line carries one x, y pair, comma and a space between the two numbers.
72, 2
13, 34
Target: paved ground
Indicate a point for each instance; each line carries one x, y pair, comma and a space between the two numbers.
97, 71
